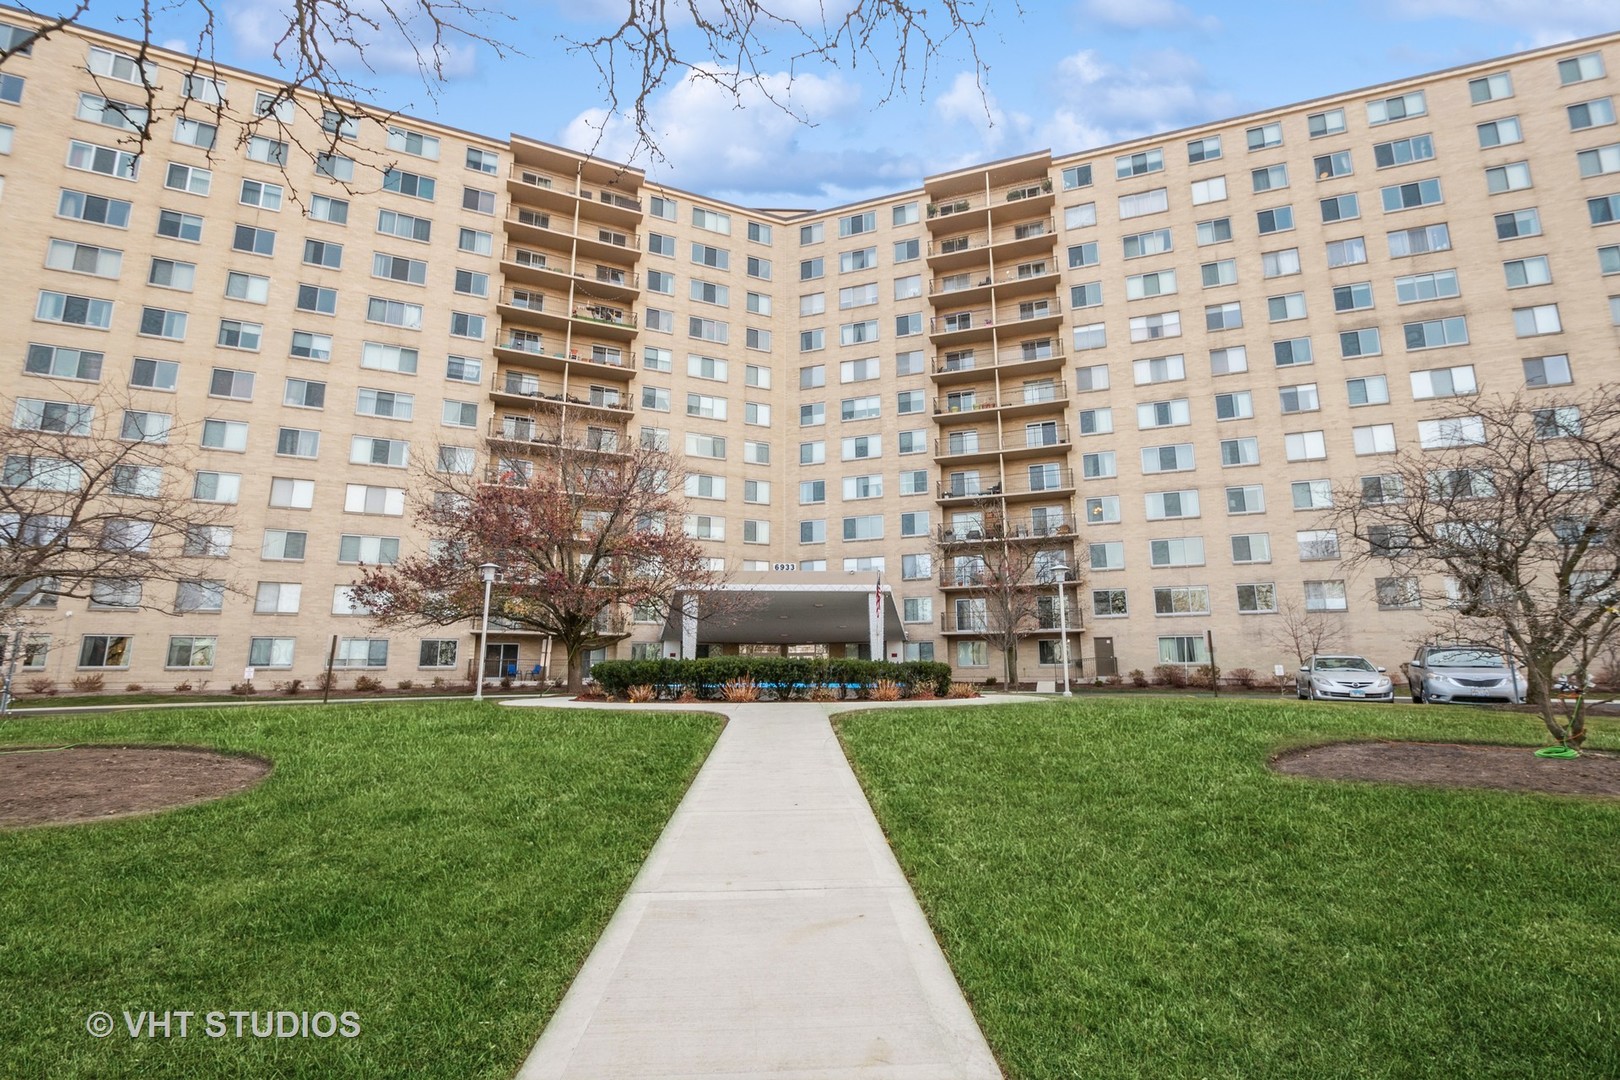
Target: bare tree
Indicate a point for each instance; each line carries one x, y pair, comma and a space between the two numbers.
99, 503
1303, 632
649, 45
1511, 528
1000, 579
593, 535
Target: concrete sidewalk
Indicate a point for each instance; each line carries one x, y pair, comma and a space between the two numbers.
770, 934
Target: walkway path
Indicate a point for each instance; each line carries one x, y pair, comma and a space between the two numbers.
770, 934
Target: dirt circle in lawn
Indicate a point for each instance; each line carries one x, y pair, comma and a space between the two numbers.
64, 785
1504, 768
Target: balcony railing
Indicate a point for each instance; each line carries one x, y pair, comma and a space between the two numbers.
536, 347
978, 318
1054, 436
604, 313
1024, 230
1053, 480
977, 360
520, 385
1031, 528
613, 198
1055, 394
950, 283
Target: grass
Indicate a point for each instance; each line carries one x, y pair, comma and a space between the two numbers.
1125, 890
442, 869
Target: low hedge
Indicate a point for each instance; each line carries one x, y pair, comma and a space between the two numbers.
784, 674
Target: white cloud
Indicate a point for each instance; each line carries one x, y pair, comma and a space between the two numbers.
256, 25
1146, 15
966, 108
1543, 23
751, 150
1099, 102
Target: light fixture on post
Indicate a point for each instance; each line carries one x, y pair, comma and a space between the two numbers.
1060, 573
487, 572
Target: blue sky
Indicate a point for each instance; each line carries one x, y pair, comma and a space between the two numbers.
1064, 75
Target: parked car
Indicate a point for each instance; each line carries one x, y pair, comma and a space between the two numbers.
1472, 674
1343, 678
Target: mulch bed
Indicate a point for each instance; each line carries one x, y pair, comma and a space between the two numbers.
1504, 768
65, 785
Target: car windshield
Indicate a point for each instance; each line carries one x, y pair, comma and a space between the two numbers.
1343, 663
1476, 658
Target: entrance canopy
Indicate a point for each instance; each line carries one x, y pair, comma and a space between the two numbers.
786, 608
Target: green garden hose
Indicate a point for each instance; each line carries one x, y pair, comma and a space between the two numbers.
1558, 752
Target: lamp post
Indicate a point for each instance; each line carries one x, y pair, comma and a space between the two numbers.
487, 572
1061, 574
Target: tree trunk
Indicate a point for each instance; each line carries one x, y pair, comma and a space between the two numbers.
1540, 692
576, 674
1009, 656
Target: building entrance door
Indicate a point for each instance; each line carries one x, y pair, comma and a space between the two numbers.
500, 658
1104, 652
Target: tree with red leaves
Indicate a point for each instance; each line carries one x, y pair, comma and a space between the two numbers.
592, 536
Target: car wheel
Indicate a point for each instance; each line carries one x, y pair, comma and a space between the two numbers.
1299, 692
1417, 695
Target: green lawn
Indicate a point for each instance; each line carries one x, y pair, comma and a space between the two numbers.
441, 869
1124, 889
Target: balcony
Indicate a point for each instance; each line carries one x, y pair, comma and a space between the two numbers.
980, 324
550, 269
1022, 199
969, 365
556, 231
1053, 482
523, 431
975, 286
1010, 242
527, 349
539, 187
1014, 401
1016, 530
524, 387
1033, 441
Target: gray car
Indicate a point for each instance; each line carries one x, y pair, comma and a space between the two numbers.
1472, 674
1343, 678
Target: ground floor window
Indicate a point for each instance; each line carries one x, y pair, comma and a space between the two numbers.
438, 653
191, 652
104, 650
1183, 649
972, 654
362, 652
919, 650
270, 652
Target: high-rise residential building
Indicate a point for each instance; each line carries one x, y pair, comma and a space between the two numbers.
1152, 362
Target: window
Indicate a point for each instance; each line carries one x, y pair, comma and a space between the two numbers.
1280, 263
1300, 398
1165, 505
367, 499
384, 403
1370, 390
1537, 320
1142, 244
706, 446
1403, 151
1590, 114
99, 210
1599, 161
235, 334
1238, 452
1158, 370
361, 653
1419, 241
83, 258
1154, 327
1325, 596
1291, 306
914, 523
1181, 599
1269, 178
1251, 548
1156, 414
297, 442
1127, 165
1311, 494
88, 157
62, 363
711, 220
383, 265
254, 288
80, 310
1173, 458
1183, 551
318, 299
1400, 107
1107, 556
1437, 333
162, 323
1349, 252
862, 446
1280, 219
1451, 432
1238, 405
292, 494
1503, 132
1142, 203
1580, 68
1330, 166
1294, 352
1265, 136
1216, 274
1102, 510
199, 596
226, 383
404, 226
1205, 149
57, 417
1080, 216
1511, 177
1374, 439
1409, 196
1305, 446
1356, 297
907, 250
1159, 283
1547, 371
1076, 176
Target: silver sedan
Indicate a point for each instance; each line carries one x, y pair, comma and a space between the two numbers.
1343, 678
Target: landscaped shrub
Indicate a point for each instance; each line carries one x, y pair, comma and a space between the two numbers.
885, 690
641, 693
1169, 675
43, 685
1203, 676
1138, 678
89, 684
326, 680
134, 688
367, 684
962, 690
922, 693
182, 688
245, 688
291, 687
406, 684
740, 689
1243, 676
785, 677
826, 693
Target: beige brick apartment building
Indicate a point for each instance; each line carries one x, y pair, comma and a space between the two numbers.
1151, 362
